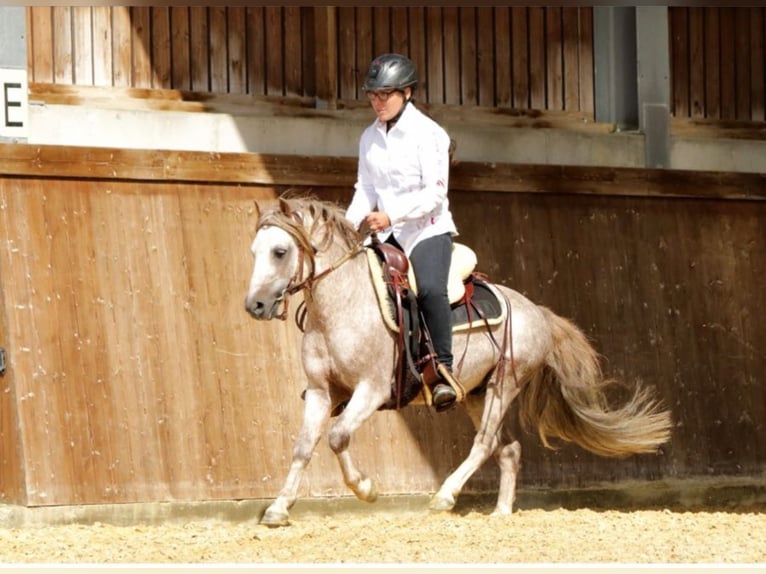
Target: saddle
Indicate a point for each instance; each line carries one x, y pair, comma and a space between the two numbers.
473, 300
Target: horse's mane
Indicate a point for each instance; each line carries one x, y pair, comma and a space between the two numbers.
315, 215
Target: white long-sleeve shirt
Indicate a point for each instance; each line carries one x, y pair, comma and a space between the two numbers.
405, 173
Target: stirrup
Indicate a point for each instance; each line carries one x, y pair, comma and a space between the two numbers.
446, 376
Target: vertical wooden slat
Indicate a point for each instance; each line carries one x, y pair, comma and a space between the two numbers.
199, 40
587, 86
485, 53
381, 30
758, 64
502, 31
325, 24
417, 34
219, 66
62, 45
102, 45
180, 48
348, 73
537, 58
451, 71
728, 67
142, 50
697, 62
743, 47
293, 53
570, 23
161, 54
237, 50
256, 51
679, 64
121, 47
554, 69
308, 51
400, 32
275, 74
520, 58
40, 44
82, 46
468, 75
364, 55
435, 45
712, 64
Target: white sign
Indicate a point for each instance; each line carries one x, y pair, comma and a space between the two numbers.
14, 103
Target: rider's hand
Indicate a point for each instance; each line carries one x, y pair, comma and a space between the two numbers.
378, 221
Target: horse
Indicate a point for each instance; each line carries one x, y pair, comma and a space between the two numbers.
307, 245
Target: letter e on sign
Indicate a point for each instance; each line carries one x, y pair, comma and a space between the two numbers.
14, 103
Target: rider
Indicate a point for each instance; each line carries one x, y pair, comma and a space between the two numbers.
401, 194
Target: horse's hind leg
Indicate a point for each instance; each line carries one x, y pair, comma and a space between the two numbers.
488, 442
316, 414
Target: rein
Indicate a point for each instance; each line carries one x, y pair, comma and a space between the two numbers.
296, 228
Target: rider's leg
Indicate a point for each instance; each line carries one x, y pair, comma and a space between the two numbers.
431, 262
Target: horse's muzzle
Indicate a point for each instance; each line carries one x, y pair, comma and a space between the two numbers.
260, 310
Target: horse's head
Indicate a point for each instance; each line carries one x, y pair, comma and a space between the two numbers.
288, 241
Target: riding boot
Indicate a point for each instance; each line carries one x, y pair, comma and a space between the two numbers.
444, 395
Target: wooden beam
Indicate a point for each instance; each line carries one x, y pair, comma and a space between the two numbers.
326, 24
64, 162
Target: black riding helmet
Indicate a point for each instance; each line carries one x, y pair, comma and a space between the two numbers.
390, 71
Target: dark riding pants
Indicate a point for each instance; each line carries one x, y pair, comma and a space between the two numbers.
431, 260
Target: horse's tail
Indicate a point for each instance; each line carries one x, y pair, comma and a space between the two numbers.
568, 400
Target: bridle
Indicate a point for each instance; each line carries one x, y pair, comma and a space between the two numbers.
295, 227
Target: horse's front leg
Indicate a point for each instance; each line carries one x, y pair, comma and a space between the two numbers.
315, 416
364, 402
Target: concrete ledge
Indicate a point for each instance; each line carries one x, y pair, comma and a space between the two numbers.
722, 494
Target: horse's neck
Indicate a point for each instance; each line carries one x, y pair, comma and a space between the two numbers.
343, 289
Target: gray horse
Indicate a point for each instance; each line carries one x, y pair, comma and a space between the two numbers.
307, 245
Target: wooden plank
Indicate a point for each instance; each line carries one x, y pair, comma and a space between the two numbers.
218, 34
520, 52
743, 48
758, 65
728, 68
502, 31
537, 58
82, 61
587, 80
199, 41
570, 28
381, 31
697, 62
121, 47
258, 169
348, 72
364, 55
293, 53
417, 33
308, 51
180, 48
102, 45
436, 42
554, 69
400, 31
485, 53
142, 50
62, 45
275, 72
256, 51
449, 57
712, 64
326, 35
161, 52
40, 44
468, 76
237, 49
679, 62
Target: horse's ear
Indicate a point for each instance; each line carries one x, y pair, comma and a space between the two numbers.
257, 211
284, 207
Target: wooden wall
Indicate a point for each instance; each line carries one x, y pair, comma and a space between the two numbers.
136, 375
718, 63
539, 58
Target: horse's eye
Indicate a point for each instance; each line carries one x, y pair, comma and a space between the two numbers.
279, 252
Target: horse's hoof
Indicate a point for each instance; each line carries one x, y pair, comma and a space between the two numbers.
367, 490
273, 518
441, 503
